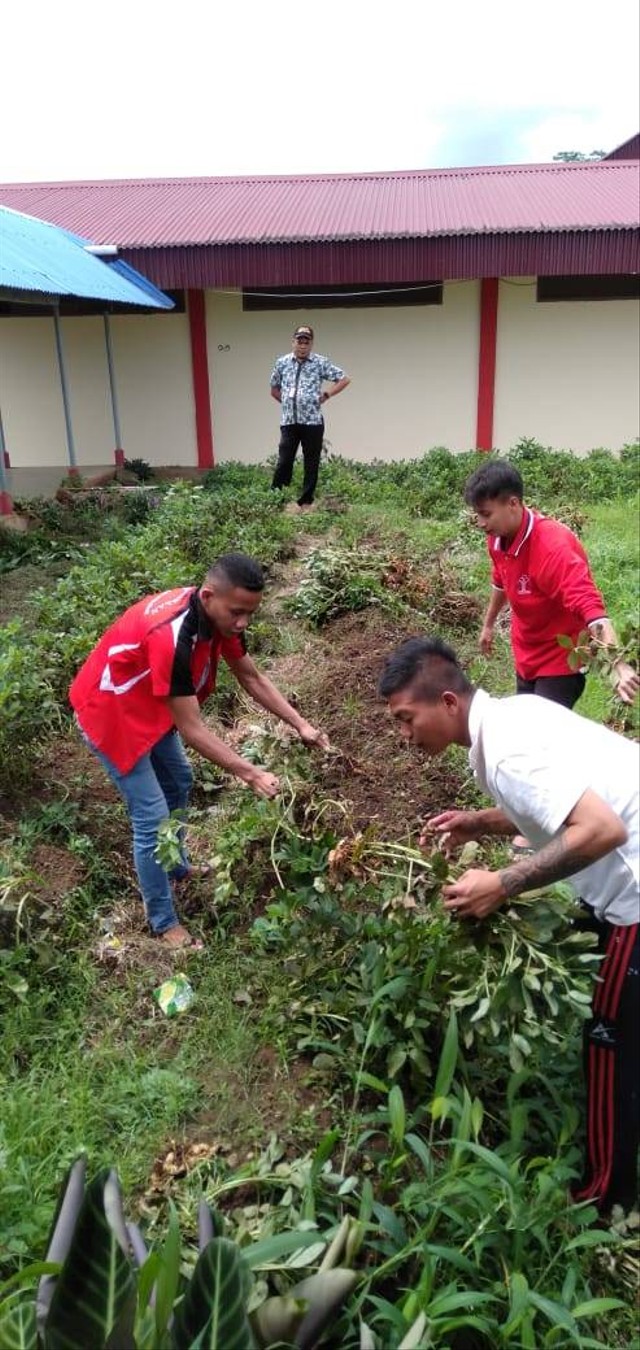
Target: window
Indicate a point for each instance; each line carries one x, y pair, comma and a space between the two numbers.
354, 295
612, 287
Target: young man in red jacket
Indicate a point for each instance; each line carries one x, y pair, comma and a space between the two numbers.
137, 698
541, 570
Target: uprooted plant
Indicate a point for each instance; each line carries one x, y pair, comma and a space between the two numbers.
339, 580
376, 962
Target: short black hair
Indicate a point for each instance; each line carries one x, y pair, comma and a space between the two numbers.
496, 478
303, 328
428, 664
237, 569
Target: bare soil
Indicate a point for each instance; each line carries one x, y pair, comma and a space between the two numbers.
381, 781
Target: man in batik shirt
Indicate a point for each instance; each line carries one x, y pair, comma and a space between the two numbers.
296, 384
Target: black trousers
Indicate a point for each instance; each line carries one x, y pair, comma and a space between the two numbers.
610, 1048
563, 689
309, 436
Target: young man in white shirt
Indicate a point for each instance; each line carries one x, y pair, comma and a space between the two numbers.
571, 786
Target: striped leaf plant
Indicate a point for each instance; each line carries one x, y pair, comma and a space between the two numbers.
100, 1289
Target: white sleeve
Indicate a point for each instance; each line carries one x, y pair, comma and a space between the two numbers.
544, 791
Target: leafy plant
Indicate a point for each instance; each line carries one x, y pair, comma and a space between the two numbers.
336, 581
588, 653
141, 468
99, 1287
383, 960
459, 1244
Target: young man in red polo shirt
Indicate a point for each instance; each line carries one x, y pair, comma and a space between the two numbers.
541, 570
139, 692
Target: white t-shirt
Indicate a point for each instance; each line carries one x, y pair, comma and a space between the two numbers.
536, 759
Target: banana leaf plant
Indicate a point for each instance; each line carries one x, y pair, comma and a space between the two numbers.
100, 1288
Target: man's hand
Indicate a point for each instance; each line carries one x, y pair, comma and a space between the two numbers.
454, 827
312, 736
627, 681
474, 895
485, 641
262, 783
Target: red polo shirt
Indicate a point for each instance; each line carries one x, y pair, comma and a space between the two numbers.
162, 647
545, 575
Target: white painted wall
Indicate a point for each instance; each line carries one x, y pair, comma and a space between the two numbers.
153, 374
30, 398
414, 375
155, 389
567, 372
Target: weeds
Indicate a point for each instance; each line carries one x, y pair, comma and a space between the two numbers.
419, 1075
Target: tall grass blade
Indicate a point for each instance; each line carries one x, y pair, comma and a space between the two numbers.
397, 1115
168, 1275
448, 1057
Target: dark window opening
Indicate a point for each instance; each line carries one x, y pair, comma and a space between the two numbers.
624, 287
76, 307
353, 295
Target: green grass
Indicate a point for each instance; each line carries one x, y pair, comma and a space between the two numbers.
88, 1060
90, 1063
612, 540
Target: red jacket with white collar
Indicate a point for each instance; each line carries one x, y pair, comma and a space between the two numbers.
544, 572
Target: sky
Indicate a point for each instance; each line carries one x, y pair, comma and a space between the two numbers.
136, 89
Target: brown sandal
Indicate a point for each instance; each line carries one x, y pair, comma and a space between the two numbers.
179, 939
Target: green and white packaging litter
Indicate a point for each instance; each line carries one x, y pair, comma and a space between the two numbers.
174, 995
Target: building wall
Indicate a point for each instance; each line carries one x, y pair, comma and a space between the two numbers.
153, 365
30, 399
567, 372
414, 373
153, 376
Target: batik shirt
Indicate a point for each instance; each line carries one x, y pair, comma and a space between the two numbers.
300, 385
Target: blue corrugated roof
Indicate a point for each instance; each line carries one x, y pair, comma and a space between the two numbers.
40, 258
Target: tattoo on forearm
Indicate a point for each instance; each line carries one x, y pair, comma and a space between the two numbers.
554, 862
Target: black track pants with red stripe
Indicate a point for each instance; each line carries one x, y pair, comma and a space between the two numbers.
612, 1072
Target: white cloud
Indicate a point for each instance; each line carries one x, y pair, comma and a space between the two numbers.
196, 89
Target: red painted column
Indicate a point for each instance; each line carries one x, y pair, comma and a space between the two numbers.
487, 362
6, 500
200, 373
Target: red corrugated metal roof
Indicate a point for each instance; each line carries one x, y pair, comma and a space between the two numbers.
420, 204
629, 149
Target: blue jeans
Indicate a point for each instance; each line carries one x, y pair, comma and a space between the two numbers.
158, 784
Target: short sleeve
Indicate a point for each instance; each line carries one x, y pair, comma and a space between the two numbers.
276, 376
541, 791
233, 648
331, 372
496, 578
170, 667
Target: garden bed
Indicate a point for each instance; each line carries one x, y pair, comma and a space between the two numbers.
350, 1052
